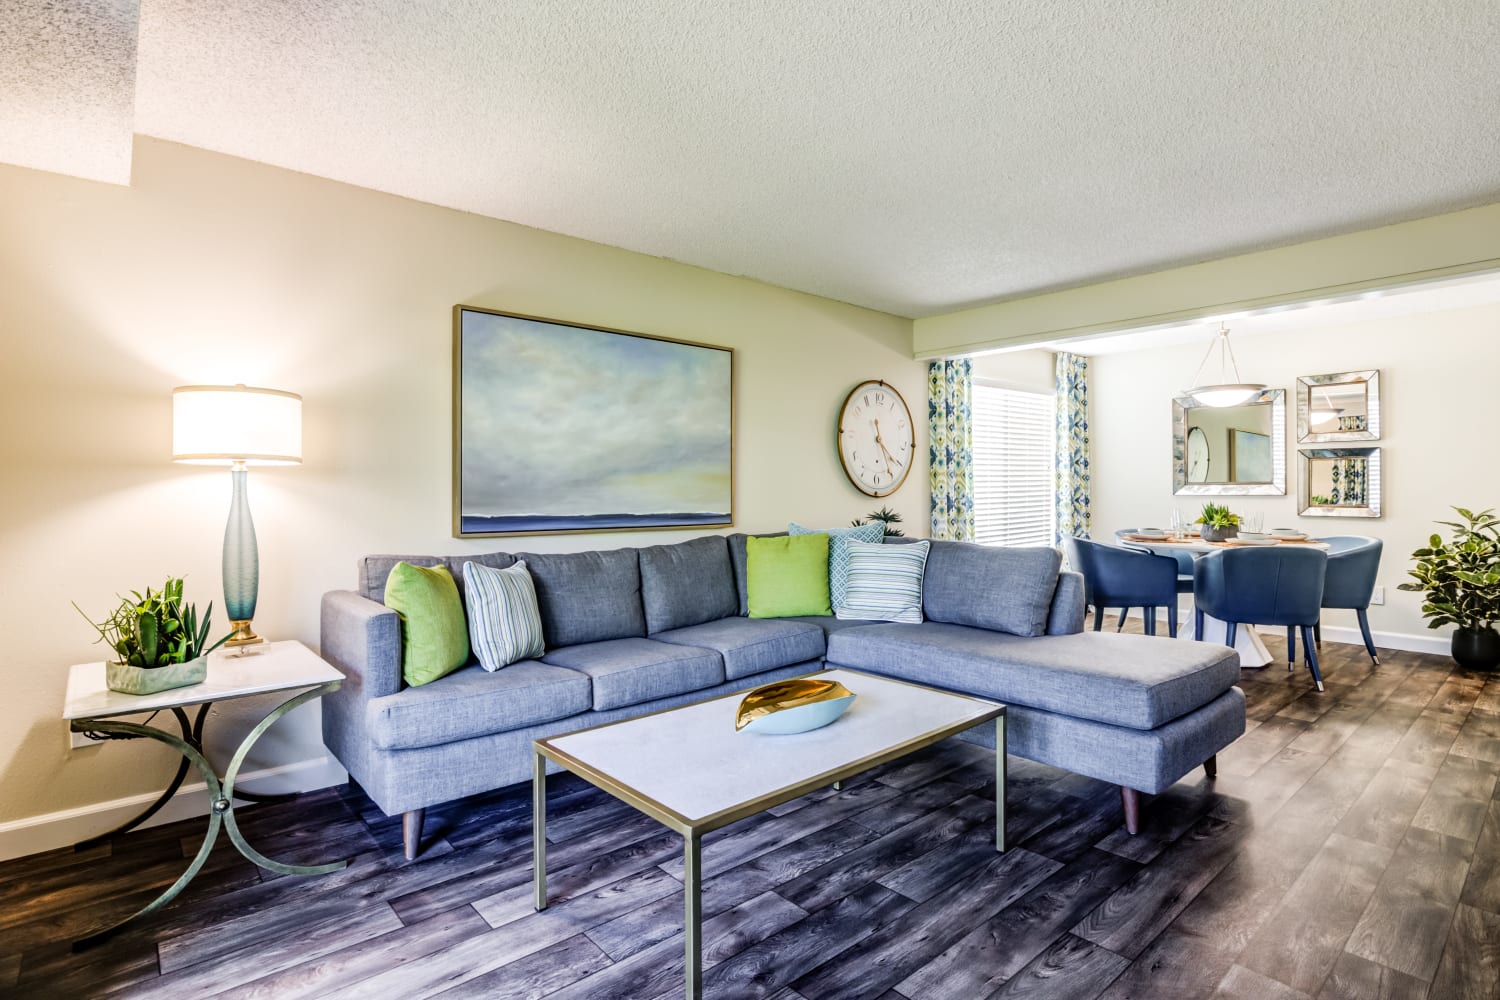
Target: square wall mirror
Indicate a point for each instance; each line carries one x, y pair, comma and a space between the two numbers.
1340, 482
1343, 406
1230, 450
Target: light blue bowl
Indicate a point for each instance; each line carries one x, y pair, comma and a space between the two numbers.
802, 719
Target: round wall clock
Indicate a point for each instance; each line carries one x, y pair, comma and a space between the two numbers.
1197, 456
875, 438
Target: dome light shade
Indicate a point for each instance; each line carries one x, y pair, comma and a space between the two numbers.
229, 424
1225, 393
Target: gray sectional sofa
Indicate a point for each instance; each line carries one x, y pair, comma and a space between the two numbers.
631, 631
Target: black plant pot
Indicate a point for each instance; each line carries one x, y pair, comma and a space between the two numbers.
1477, 648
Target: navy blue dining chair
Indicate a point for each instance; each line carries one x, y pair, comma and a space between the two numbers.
1114, 577
1276, 585
1184, 565
1348, 583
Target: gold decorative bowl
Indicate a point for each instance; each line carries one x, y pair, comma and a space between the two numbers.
799, 705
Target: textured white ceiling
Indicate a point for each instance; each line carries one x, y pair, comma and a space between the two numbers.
67, 86
911, 156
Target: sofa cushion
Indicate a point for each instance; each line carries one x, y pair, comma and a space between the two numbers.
687, 584
630, 671
494, 560
740, 561
474, 702
373, 570
1136, 681
1008, 589
828, 625
587, 596
752, 645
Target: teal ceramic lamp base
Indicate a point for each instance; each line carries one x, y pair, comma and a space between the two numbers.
241, 564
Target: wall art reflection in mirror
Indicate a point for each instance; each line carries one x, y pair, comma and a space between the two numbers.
1230, 450
1340, 482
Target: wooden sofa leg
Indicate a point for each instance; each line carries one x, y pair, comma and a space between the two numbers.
411, 832
1211, 767
1131, 799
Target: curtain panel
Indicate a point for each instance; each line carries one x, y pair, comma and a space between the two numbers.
1072, 463
951, 452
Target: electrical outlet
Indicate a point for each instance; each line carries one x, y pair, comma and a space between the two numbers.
1377, 596
77, 741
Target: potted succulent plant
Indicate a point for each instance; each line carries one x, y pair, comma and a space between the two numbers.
1461, 582
1218, 523
158, 641
885, 516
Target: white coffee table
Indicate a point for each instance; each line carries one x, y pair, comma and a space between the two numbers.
90, 707
688, 769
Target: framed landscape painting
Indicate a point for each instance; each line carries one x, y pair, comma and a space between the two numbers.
562, 427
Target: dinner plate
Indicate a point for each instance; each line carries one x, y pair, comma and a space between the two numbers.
1252, 541
1288, 534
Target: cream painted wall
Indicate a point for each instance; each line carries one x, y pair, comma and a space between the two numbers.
1437, 393
210, 269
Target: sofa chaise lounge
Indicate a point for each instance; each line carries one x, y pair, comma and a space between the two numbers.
630, 631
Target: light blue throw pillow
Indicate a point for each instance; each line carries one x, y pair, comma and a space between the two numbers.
505, 624
838, 551
885, 582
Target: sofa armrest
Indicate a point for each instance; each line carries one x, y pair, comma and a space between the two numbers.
363, 639
1066, 614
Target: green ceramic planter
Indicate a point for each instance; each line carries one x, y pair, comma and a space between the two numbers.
127, 679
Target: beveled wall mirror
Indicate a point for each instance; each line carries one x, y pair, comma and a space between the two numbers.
1343, 406
1340, 482
1230, 450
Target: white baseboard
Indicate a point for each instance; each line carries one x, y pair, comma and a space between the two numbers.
1436, 642
33, 834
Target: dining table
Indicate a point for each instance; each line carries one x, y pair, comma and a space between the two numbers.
1247, 641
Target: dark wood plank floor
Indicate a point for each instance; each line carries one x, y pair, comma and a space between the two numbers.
1350, 848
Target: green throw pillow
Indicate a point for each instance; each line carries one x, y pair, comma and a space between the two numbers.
434, 635
787, 577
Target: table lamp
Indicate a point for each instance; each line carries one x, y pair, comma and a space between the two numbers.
238, 426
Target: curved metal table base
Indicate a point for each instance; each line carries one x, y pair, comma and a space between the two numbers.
221, 797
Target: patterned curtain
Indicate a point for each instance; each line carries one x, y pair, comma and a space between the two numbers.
1072, 479
951, 457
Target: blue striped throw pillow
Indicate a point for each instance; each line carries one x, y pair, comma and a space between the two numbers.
885, 582
504, 622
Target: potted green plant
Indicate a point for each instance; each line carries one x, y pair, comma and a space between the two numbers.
885, 516
158, 641
1461, 582
1218, 523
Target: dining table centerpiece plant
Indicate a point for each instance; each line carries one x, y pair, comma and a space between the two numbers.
1460, 581
158, 640
1218, 522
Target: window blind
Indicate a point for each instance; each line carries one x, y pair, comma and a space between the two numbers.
1014, 443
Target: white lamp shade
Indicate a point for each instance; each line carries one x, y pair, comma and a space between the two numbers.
225, 424
1225, 395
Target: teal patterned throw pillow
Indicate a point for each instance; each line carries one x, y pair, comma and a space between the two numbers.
885, 582
838, 551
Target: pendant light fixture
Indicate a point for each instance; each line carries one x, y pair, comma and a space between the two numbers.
1225, 392
1326, 412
